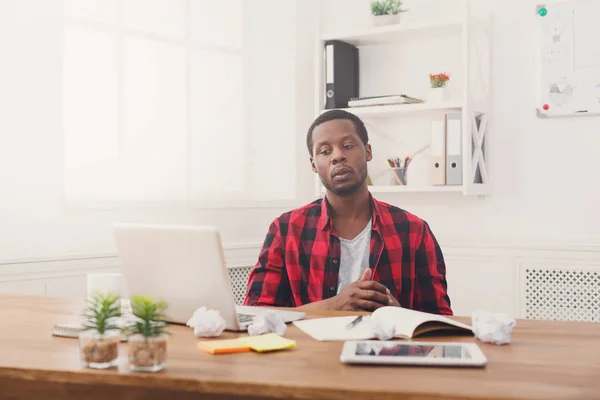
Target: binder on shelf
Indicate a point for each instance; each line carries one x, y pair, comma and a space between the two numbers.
341, 74
438, 150
454, 167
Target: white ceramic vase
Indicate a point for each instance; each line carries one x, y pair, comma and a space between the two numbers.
388, 19
437, 95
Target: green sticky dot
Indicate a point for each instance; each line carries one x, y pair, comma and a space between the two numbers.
543, 11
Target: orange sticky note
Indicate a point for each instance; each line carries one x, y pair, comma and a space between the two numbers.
223, 346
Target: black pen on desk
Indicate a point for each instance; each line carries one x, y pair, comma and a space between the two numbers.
354, 323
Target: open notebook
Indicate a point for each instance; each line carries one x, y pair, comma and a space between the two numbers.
408, 324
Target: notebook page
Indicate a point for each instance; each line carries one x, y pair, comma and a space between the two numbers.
406, 320
335, 328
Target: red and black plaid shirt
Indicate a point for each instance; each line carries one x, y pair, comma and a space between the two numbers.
300, 259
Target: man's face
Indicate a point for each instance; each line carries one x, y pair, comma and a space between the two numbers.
340, 157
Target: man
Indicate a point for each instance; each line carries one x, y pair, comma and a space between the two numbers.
348, 251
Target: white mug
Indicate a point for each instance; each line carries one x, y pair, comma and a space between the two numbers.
105, 283
109, 282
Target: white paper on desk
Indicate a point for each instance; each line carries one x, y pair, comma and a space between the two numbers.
336, 328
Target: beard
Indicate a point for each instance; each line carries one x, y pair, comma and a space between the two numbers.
348, 189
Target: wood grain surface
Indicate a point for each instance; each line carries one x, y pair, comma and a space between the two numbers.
546, 360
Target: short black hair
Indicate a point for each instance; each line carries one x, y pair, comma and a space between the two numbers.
331, 115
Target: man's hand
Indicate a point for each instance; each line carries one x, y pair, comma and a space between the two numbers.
393, 301
362, 295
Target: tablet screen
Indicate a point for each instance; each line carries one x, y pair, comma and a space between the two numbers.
382, 349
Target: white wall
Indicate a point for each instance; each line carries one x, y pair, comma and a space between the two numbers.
532, 196
35, 221
543, 173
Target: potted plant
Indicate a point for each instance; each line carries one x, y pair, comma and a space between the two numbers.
147, 336
99, 336
386, 12
438, 87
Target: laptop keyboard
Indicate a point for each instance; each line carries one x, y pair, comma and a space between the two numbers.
243, 318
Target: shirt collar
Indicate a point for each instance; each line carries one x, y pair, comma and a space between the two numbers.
325, 219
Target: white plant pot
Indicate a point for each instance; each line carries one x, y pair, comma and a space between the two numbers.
437, 95
388, 19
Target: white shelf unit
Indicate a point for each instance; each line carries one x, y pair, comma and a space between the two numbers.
474, 35
399, 109
411, 189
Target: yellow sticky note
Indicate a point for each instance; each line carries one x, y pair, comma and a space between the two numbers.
223, 346
268, 342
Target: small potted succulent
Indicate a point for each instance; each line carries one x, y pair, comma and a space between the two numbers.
100, 336
147, 336
386, 12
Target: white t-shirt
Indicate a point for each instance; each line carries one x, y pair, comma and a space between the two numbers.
355, 257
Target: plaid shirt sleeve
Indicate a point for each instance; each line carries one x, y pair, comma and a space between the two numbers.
431, 287
268, 284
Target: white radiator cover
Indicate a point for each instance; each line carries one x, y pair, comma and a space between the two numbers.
238, 275
561, 294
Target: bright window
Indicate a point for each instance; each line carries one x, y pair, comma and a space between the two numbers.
179, 101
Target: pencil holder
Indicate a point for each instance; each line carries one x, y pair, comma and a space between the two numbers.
399, 176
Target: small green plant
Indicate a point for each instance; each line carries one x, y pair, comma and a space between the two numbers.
386, 7
101, 312
99, 336
149, 315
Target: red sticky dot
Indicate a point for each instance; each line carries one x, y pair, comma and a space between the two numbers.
546, 106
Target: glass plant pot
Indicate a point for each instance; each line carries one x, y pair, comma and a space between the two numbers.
97, 350
148, 354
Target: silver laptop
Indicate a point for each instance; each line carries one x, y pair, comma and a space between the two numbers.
184, 266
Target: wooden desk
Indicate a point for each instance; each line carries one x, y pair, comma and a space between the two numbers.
547, 360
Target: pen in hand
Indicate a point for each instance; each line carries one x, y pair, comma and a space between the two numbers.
354, 322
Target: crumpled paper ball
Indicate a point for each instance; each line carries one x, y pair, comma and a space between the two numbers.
207, 323
382, 329
493, 328
269, 322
